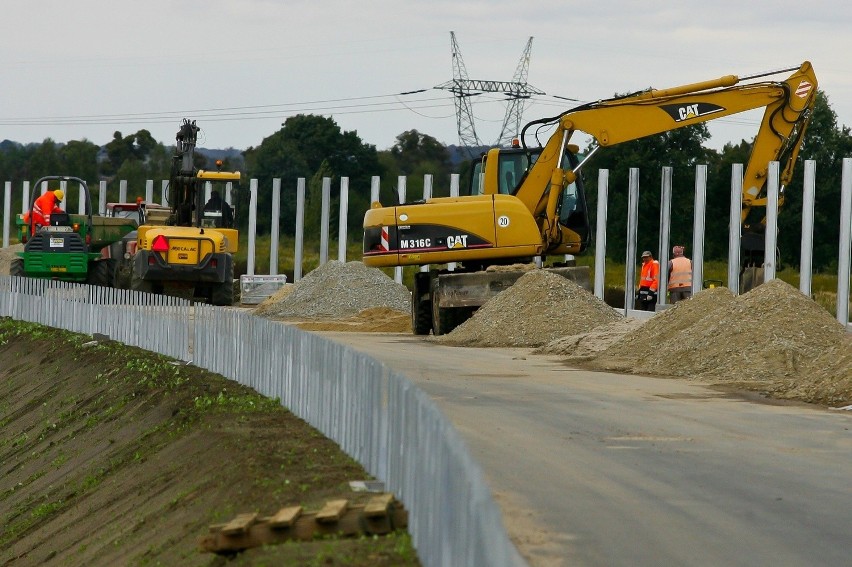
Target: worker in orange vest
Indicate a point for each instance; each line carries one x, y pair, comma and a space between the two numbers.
680, 276
649, 282
43, 207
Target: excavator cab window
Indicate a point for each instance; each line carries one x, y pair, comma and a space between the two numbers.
572, 208
513, 166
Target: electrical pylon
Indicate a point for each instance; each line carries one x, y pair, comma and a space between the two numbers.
463, 88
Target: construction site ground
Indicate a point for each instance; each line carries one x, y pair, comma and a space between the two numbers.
111, 455
712, 433
596, 468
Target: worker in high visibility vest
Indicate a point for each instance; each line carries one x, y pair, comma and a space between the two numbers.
43, 207
680, 276
649, 282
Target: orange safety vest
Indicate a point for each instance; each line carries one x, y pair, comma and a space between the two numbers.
42, 208
650, 277
681, 273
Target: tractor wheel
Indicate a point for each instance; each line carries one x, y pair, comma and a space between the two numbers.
421, 305
17, 268
102, 273
138, 284
223, 293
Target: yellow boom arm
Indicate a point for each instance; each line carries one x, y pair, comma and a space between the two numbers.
788, 105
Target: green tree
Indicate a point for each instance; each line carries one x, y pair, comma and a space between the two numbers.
300, 149
414, 155
80, 159
46, 160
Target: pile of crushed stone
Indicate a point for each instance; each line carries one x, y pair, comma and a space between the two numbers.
772, 339
336, 290
538, 308
6, 257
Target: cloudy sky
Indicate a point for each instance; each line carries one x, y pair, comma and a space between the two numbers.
84, 69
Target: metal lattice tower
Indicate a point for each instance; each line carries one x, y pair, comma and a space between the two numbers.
460, 87
518, 95
463, 88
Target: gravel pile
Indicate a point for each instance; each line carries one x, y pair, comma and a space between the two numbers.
537, 309
337, 290
772, 338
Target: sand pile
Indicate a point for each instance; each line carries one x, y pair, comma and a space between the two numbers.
372, 320
772, 338
336, 290
538, 308
7, 255
582, 346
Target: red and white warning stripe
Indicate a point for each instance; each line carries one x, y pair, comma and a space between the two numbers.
803, 89
384, 244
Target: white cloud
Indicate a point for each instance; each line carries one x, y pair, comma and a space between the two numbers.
153, 62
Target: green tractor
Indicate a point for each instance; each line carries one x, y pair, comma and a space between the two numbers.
72, 247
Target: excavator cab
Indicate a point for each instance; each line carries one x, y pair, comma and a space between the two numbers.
512, 168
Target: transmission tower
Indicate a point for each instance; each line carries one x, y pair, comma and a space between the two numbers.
463, 88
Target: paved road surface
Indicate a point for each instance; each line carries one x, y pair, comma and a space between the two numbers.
605, 469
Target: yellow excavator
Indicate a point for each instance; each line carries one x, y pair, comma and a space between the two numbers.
191, 252
529, 202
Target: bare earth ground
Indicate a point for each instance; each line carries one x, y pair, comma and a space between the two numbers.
110, 455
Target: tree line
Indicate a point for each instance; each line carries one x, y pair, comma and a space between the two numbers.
314, 147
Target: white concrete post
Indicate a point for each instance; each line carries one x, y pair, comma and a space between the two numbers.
300, 229
102, 197
375, 185
665, 233
81, 200
735, 228
252, 227
342, 227
7, 212
807, 249
122, 191
25, 198
401, 181
600, 233
698, 228
843, 263
164, 192
273, 236
454, 192
632, 231
427, 194
771, 246
149, 191
326, 206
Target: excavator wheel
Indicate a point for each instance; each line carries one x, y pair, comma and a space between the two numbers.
421, 305
17, 268
102, 273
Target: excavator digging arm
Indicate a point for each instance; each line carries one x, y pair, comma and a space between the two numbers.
788, 105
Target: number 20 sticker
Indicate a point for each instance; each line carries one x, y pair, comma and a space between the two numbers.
503, 221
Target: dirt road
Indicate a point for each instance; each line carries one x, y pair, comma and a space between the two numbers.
606, 469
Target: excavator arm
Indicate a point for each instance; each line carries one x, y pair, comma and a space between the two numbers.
788, 105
